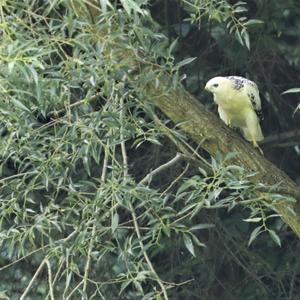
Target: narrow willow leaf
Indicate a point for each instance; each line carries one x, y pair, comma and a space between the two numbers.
202, 226
275, 237
291, 91
246, 38
255, 233
34, 74
130, 5
239, 37
124, 286
185, 62
114, 222
172, 46
240, 9
189, 244
3, 295
252, 220
253, 22
20, 105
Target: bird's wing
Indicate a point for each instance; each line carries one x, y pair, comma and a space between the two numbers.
250, 89
223, 115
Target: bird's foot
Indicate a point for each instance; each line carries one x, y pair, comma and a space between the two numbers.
260, 150
257, 147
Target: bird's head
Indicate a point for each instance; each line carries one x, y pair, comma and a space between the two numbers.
217, 85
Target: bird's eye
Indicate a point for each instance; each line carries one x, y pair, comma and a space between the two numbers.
215, 85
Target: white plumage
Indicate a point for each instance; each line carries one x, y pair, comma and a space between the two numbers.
238, 101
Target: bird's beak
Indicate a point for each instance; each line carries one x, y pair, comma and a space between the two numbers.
206, 88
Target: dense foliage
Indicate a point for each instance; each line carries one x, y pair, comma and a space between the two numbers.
94, 201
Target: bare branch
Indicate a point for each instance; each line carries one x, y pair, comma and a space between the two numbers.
279, 137
50, 279
74, 290
161, 168
123, 148
39, 269
137, 230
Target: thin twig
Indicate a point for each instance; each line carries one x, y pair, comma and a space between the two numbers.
56, 275
22, 258
93, 234
36, 250
137, 230
78, 103
75, 289
33, 279
283, 145
105, 163
50, 279
175, 180
88, 262
17, 175
161, 168
173, 284
279, 137
123, 148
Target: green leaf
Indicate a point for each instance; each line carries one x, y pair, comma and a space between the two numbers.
197, 242
86, 164
20, 105
130, 5
255, 233
253, 22
202, 226
11, 66
104, 4
172, 46
189, 244
239, 37
240, 9
275, 237
3, 295
185, 62
34, 74
166, 230
246, 38
252, 220
240, 3
291, 91
124, 286
114, 222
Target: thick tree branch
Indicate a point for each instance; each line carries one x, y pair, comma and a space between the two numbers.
205, 128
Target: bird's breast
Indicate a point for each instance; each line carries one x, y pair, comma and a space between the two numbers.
232, 104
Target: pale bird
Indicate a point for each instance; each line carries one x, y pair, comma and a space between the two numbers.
238, 104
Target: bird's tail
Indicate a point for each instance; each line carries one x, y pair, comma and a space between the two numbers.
258, 135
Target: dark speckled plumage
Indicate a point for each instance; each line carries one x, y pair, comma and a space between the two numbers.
239, 83
254, 104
